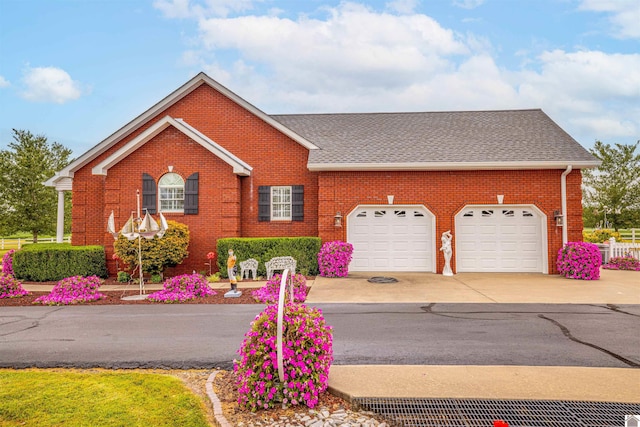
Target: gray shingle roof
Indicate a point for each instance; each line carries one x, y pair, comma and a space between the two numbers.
437, 139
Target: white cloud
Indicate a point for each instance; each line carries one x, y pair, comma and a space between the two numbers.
624, 15
468, 4
187, 8
4, 82
597, 92
50, 84
355, 58
402, 6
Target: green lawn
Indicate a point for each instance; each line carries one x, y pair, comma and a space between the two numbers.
100, 398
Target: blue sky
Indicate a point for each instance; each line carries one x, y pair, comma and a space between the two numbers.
76, 71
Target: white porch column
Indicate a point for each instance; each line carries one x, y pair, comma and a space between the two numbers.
60, 223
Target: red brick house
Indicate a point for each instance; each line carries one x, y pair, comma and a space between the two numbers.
506, 183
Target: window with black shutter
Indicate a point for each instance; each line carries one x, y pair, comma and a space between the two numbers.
281, 203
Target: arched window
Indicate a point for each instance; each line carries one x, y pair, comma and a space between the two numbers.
171, 188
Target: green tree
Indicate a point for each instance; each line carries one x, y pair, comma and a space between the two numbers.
614, 187
26, 204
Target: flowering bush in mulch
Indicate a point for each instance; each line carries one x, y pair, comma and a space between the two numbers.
10, 287
579, 260
623, 263
269, 293
334, 258
7, 262
307, 356
182, 288
73, 290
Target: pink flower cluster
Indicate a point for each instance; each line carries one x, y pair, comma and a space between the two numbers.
579, 260
307, 357
10, 287
182, 288
269, 293
334, 258
7, 262
623, 263
73, 290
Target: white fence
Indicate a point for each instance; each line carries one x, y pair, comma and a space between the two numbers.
617, 249
18, 243
631, 234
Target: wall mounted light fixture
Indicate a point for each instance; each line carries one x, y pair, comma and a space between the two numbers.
337, 220
559, 218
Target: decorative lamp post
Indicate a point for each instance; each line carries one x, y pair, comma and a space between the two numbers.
137, 228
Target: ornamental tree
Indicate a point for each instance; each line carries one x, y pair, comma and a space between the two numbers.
157, 253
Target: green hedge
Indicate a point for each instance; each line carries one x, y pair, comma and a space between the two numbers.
45, 262
303, 249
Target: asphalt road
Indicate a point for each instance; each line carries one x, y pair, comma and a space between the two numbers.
207, 336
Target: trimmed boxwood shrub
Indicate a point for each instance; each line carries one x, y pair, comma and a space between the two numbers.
44, 262
303, 249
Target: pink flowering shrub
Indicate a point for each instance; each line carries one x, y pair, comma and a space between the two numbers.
10, 287
73, 290
182, 288
334, 258
268, 294
307, 356
7, 262
579, 260
623, 263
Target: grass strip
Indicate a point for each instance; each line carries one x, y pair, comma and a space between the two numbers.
54, 398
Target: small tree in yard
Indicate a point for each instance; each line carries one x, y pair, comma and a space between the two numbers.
25, 203
613, 189
157, 253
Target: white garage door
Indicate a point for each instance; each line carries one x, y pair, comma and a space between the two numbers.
499, 239
391, 238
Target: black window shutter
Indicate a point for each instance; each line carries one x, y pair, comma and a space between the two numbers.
264, 203
149, 193
297, 203
191, 195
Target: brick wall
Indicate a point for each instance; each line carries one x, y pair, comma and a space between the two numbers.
228, 204
445, 193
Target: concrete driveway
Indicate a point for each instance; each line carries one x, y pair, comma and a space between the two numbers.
614, 287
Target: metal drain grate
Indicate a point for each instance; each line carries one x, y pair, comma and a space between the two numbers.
482, 413
382, 279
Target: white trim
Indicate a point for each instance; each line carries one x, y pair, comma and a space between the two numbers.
239, 166
434, 252
435, 166
172, 98
544, 249
563, 201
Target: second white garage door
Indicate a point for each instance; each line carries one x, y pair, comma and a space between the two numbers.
391, 238
500, 239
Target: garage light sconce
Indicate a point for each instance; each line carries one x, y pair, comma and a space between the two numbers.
559, 218
337, 220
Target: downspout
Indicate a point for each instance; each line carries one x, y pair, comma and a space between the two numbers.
563, 196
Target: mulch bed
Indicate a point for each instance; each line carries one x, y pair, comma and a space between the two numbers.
115, 297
